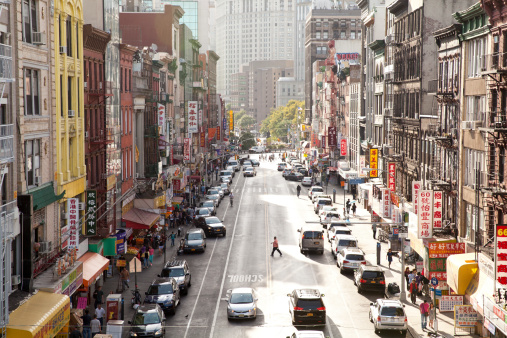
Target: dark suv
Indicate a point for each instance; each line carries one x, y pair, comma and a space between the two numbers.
178, 269
307, 307
370, 278
164, 292
148, 321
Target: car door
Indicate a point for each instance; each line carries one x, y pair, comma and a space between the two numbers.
291, 304
187, 274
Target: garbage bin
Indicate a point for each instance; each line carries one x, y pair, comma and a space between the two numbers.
115, 328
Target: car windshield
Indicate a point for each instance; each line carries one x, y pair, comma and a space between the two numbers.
213, 192
249, 169
309, 304
146, 318
194, 236
342, 232
326, 202
207, 204
176, 272
212, 197
212, 220
317, 190
247, 163
203, 212
355, 257
333, 215
241, 298
350, 243
224, 186
162, 289
373, 274
391, 311
313, 235
338, 225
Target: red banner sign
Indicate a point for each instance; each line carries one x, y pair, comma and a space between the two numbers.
331, 137
501, 259
343, 147
218, 134
444, 250
176, 184
392, 177
203, 139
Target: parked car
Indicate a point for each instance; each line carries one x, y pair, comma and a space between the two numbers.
213, 191
311, 239
388, 314
220, 191
370, 278
214, 226
307, 334
202, 212
286, 172
327, 208
225, 188
307, 307
350, 259
165, 292
195, 240
294, 176
234, 164
282, 166
303, 171
250, 171
232, 169
313, 190
214, 198
242, 304
178, 269
326, 217
320, 202
148, 320
341, 242
307, 181
336, 231
247, 163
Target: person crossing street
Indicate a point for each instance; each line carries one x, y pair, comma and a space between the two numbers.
275, 247
298, 190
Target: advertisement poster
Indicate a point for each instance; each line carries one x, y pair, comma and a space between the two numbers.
501, 251
437, 210
192, 117
386, 203
447, 303
186, 149
343, 147
73, 222
331, 137
392, 176
465, 316
362, 164
416, 186
91, 212
425, 214
161, 118
374, 162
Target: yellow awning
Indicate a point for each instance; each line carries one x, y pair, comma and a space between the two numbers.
461, 268
43, 315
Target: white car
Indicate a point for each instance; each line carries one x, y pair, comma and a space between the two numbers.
315, 190
388, 314
319, 202
231, 169
350, 259
307, 181
341, 242
327, 208
320, 195
336, 231
326, 217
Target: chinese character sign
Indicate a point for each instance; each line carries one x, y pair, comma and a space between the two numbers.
323, 141
218, 133
465, 316
386, 203
437, 210
416, 186
362, 164
447, 303
373, 162
186, 149
192, 117
392, 177
445, 249
200, 117
425, 213
203, 139
91, 212
161, 118
231, 120
331, 137
501, 253
73, 221
343, 147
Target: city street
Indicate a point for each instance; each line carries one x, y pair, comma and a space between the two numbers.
266, 206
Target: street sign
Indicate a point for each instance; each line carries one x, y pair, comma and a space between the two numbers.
434, 281
403, 234
356, 181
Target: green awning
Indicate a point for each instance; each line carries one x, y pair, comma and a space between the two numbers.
44, 195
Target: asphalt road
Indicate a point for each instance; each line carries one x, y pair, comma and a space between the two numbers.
266, 206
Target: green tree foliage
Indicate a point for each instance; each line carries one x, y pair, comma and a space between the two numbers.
282, 118
246, 122
247, 140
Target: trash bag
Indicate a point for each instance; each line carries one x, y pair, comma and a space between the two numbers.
393, 288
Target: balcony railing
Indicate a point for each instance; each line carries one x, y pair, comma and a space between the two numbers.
6, 143
498, 120
5, 63
493, 62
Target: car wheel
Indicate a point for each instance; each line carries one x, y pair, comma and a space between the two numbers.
358, 289
377, 331
190, 282
185, 291
224, 233
404, 332
322, 252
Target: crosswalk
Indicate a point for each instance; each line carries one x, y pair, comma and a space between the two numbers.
264, 190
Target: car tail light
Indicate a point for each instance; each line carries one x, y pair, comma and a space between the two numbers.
363, 262
383, 282
303, 237
323, 308
296, 308
346, 262
405, 319
362, 281
378, 319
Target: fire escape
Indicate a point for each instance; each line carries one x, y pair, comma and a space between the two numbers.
390, 79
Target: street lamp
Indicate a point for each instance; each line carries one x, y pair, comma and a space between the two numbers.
403, 295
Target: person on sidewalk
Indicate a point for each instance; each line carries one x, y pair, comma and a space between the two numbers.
389, 257
425, 312
275, 247
298, 190
125, 276
75, 333
432, 315
100, 313
98, 295
179, 231
95, 326
406, 273
152, 252
87, 319
413, 291
347, 205
147, 258
374, 229
173, 237
354, 208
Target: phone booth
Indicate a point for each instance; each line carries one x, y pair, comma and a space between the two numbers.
113, 307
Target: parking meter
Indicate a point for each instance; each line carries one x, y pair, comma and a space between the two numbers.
378, 253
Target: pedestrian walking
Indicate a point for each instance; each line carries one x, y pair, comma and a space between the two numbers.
171, 220
347, 205
179, 231
425, 312
87, 319
98, 295
125, 276
354, 208
374, 229
100, 313
173, 237
75, 333
95, 326
152, 252
275, 247
411, 276
161, 245
147, 259
431, 315
389, 257
407, 273
413, 291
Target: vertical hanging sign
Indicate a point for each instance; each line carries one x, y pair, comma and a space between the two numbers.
425, 214
437, 210
331, 137
231, 120
72, 221
203, 139
192, 117
392, 177
218, 133
374, 162
501, 251
161, 118
343, 147
386, 203
186, 149
200, 117
91, 212
416, 186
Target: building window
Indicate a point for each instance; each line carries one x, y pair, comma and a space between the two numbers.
68, 32
32, 162
317, 35
476, 57
31, 91
352, 35
472, 159
325, 35
30, 23
342, 35
476, 108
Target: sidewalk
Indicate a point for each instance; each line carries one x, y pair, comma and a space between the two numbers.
445, 320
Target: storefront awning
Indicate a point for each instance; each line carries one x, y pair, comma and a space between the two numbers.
93, 265
461, 268
43, 315
480, 286
140, 219
44, 196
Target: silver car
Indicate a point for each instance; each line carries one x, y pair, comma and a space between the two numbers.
225, 188
242, 304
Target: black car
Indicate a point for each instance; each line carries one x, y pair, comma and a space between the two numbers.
255, 163
370, 278
165, 292
303, 171
195, 239
178, 269
210, 226
148, 321
294, 176
307, 307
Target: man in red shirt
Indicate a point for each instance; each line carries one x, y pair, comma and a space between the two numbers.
275, 247
425, 312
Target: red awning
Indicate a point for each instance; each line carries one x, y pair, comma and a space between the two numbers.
93, 265
140, 219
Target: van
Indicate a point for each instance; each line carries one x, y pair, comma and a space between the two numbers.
311, 239
341, 242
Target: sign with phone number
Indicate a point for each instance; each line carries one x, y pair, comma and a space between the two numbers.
501, 261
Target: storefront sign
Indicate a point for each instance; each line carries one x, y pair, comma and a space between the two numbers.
486, 266
392, 176
176, 184
82, 302
441, 276
386, 203
72, 221
438, 264
111, 182
416, 186
373, 162
425, 228
331, 137
362, 164
437, 210
447, 303
323, 142
224, 125
91, 212
200, 117
55, 324
161, 118
218, 133
445, 249
192, 126
159, 201
186, 149
203, 139
121, 239
343, 147
231, 120
501, 251
465, 316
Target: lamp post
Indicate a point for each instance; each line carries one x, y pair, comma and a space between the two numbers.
403, 294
